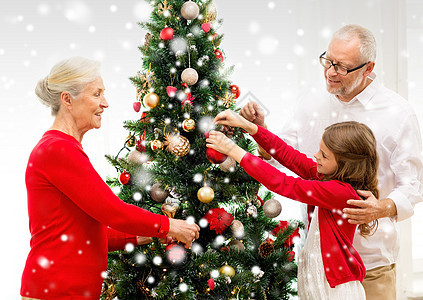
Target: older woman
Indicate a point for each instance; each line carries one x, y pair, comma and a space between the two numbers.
74, 217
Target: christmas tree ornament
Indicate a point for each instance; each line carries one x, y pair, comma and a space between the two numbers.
147, 39
228, 165
131, 140
237, 229
175, 253
190, 76
167, 33
190, 10
235, 91
137, 106
158, 194
219, 219
219, 55
171, 91
272, 208
151, 100
215, 157
206, 27
237, 245
291, 256
211, 284
164, 9
252, 211
266, 248
205, 194
170, 209
136, 157
228, 100
188, 125
177, 144
156, 145
211, 14
125, 178
227, 270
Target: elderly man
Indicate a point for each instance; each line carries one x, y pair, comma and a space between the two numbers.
353, 93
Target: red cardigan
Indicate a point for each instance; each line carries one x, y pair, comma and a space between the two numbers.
341, 261
70, 208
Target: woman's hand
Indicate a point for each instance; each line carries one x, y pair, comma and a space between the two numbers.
219, 142
232, 119
183, 231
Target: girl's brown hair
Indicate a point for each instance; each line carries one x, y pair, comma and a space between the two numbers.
354, 147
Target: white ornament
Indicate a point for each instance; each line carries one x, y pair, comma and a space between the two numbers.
190, 76
190, 10
272, 208
252, 211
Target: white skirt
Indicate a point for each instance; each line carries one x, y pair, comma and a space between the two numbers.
312, 282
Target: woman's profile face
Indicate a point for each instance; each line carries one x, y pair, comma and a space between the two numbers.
88, 106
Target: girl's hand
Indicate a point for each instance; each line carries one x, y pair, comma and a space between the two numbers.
232, 119
219, 142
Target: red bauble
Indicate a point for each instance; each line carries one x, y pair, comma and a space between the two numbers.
206, 134
125, 178
175, 253
137, 106
166, 33
235, 91
215, 157
291, 256
219, 55
211, 284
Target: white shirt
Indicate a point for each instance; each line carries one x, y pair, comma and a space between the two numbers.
399, 145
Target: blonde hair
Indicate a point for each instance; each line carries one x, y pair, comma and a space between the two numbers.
354, 147
70, 75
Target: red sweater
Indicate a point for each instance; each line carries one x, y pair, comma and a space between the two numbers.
341, 261
70, 208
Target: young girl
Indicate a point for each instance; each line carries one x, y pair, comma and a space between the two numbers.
347, 161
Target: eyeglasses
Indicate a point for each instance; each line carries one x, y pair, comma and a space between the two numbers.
326, 63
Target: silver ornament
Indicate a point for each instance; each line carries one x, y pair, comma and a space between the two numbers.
272, 208
137, 157
157, 193
237, 229
252, 211
190, 10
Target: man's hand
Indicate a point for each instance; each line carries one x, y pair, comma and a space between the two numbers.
253, 113
369, 209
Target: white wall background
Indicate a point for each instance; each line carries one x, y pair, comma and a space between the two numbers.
274, 46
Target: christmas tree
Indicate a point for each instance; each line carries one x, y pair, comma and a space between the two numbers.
165, 167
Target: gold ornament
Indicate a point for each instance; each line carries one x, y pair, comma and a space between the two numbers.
211, 14
188, 125
156, 145
227, 270
170, 209
205, 194
147, 39
190, 10
164, 9
177, 144
190, 76
146, 78
272, 208
151, 100
266, 249
228, 100
131, 140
